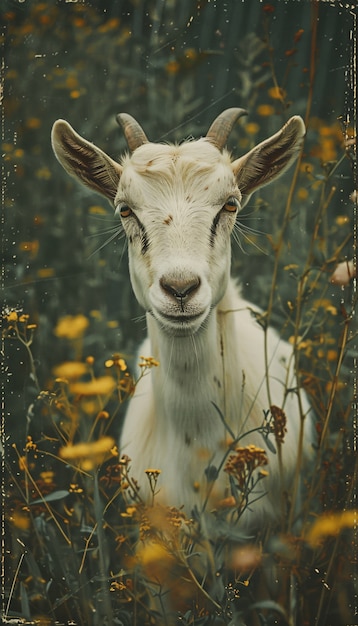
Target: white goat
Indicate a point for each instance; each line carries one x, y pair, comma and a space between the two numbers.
178, 205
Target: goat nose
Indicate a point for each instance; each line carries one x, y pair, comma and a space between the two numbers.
178, 287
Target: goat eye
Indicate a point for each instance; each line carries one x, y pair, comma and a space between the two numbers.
231, 205
123, 210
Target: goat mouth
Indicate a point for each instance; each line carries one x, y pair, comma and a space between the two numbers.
181, 322
181, 318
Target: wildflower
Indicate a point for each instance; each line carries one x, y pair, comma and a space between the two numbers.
252, 128
242, 464
20, 520
112, 324
331, 525
45, 272
30, 445
33, 122
279, 423
153, 475
126, 384
90, 454
172, 67
24, 318
153, 472
74, 488
47, 477
277, 93
156, 561
43, 173
302, 193
265, 110
70, 370
99, 386
148, 361
71, 326
116, 361
341, 220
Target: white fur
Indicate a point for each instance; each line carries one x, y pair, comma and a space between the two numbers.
176, 193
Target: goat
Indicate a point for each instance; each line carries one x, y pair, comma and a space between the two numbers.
178, 206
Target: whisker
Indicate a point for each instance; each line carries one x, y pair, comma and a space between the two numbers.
243, 230
139, 319
103, 232
102, 218
117, 234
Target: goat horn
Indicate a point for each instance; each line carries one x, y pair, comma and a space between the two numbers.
133, 132
221, 127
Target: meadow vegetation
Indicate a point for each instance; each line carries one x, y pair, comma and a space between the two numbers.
80, 545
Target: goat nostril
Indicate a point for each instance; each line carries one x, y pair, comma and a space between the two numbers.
178, 288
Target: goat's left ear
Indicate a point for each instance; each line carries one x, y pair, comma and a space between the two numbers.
85, 161
269, 159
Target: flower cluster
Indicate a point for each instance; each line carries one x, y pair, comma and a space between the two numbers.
242, 464
279, 421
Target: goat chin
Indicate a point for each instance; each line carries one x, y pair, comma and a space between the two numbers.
173, 423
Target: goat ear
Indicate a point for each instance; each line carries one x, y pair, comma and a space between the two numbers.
271, 158
85, 161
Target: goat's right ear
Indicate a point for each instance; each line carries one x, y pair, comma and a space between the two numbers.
270, 158
85, 161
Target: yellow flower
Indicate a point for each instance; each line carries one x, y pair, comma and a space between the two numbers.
47, 477
71, 326
12, 316
45, 272
172, 67
118, 361
252, 128
148, 361
341, 220
33, 122
102, 386
70, 370
43, 173
91, 450
277, 93
265, 110
156, 561
20, 520
302, 193
331, 525
30, 246
97, 210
